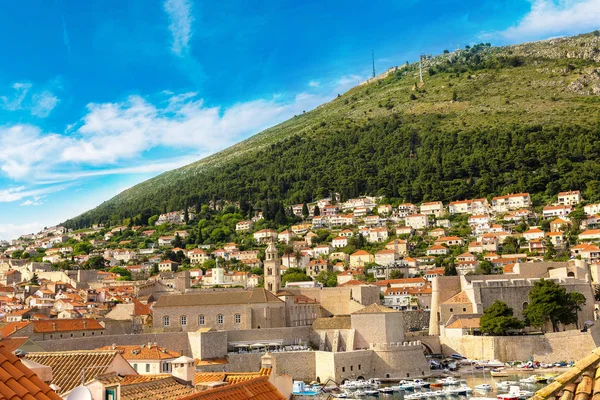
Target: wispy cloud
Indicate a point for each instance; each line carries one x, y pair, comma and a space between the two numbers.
39, 104
314, 83
180, 24
21, 192
15, 103
36, 201
43, 103
549, 18
66, 40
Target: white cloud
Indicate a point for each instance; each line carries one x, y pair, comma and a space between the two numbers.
21, 192
43, 103
39, 104
180, 24
115, 138
36, 201
13, 231
21, 89
314, 83
552, 18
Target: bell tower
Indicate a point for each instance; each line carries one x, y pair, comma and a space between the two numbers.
272, 274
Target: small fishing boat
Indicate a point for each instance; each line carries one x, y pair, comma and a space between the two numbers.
386, 390
499, 373
529, 380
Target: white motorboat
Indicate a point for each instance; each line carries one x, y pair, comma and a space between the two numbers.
386, 390
529, 380
372, 392
484, 387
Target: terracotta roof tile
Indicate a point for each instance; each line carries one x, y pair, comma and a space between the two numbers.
143, 352
258, 388
165, 389
19, 382
67, 365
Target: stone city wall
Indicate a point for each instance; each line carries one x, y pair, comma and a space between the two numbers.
299, 364
551, 347
177, 341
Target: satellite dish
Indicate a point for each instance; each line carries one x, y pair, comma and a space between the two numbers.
80, 393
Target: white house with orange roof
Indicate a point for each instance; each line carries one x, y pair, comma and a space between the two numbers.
265, 236
197, 256
432, 208
571, 198
347, 233
400, 246
590, 234
437, 250
340, 241
450, 241
321, 250
384, 209
480, 206
385, 257
285, 236
533, 233
460, 207
372, 220
475, 247
403, 230
557, 238
479, 219
509, 202
592, 209
437, 232
557, 211
517, 215
466, 257
417, 221
489, 242
586, 251
377, 235
406, 209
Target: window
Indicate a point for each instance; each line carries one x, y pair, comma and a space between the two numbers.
165, 367
135, 367
343, 369
238, 318
93, 333
147, 367
451, 310
359, 367
166, 321
352, 368
220, 319
464, 310
183, 320
200, 319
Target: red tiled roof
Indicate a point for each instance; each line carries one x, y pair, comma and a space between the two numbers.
19, 382
255, 389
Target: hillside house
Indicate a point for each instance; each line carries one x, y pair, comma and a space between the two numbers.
556, 211
501, 204
460, 207
417, 221
570, 198
243, 226
435, 208
265, 236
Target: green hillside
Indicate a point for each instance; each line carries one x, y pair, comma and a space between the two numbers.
486, 121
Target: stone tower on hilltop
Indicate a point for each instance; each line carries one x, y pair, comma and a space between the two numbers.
272, 273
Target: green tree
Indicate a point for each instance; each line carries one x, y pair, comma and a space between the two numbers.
152, 220
82, 248
485, 267
34, 280
450, 268
396, 274
498, 318
317, 212
123, 272
96, 262
327, 278
305, 212
294, 275
548, 301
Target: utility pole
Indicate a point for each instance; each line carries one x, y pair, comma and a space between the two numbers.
421, 68
373, 59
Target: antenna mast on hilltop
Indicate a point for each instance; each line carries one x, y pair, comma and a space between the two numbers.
373, 58
421, 67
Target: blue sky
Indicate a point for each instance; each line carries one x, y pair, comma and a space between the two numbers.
96, 96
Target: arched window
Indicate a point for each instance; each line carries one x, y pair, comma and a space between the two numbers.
525, 304
166, 321
220, 319
200, 319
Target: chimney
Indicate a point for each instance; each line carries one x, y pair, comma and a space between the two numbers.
54, 326
183, 370
268, 361
114, 346
149, 345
